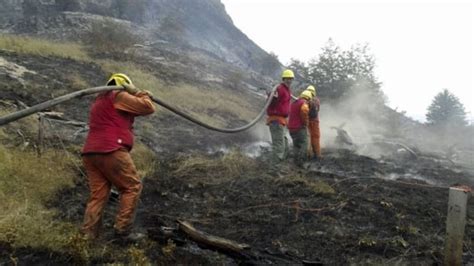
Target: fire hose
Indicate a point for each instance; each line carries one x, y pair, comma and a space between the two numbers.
78, 94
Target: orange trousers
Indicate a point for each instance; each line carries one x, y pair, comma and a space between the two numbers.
315, 135
103, 171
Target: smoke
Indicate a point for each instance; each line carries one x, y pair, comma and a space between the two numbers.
361, 114
370, 123
376, 130
358, 112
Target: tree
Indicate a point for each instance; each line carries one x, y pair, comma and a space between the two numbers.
299, 67
337, 72
446, 110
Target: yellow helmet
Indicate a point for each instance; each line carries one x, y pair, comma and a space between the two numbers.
312, 89
306, 95
119, 79
287, 74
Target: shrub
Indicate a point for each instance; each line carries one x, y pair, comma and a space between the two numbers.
110, 37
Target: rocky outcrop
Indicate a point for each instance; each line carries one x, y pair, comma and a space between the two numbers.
202, 24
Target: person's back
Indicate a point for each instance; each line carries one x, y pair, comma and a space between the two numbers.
297, 121
109, 128
106, 155
298, 127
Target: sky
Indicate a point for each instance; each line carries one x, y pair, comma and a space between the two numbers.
420, 47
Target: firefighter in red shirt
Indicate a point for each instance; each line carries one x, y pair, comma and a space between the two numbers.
278, 112
106, 155
298, 127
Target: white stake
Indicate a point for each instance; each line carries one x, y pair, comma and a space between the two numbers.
455, 225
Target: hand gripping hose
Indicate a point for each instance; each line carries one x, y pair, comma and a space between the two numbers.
42, 106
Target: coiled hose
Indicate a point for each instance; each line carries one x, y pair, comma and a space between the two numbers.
42, 106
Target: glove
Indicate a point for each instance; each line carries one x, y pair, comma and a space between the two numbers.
130, 88
147, 92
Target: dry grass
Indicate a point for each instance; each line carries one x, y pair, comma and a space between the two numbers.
23, 131
78, 82
42, 47
27, 183
144, 159
319, 187
208, 169
207, 104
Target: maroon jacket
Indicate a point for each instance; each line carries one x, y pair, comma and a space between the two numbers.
297, 116
109, 129
280, 106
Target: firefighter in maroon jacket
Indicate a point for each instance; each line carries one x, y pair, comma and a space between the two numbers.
298, 127
278, 112
106, 155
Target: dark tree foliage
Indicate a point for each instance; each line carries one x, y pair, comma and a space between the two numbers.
446, 110
300, 68
337, 72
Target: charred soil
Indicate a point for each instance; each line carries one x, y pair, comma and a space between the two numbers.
320, 215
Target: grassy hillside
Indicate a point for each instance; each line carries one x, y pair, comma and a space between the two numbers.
43, 47
211, 103
29, 182
29, 185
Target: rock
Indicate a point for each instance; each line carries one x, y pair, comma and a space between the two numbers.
203, 24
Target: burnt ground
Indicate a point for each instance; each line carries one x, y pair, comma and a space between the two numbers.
344, 209
339, 211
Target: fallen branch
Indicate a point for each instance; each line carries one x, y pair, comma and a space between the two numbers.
214, 242
234, 249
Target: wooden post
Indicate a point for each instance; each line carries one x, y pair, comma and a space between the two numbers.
40, 135
455, 224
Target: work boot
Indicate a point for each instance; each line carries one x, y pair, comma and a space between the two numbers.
129, 237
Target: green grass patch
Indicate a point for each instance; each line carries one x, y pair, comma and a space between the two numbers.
43, 47
27, 183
